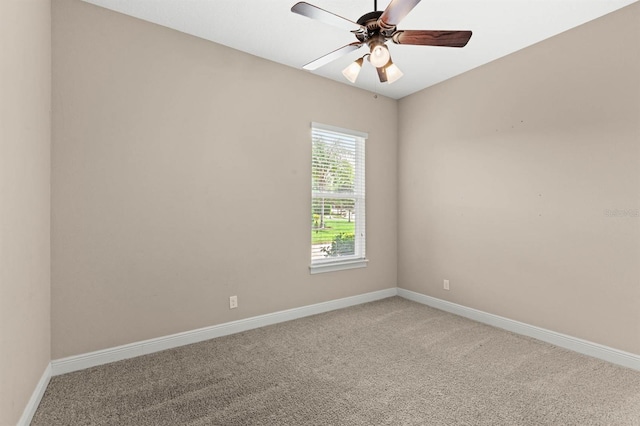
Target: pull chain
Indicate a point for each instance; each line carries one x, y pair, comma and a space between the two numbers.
375, 87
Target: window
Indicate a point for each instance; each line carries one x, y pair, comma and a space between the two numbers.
337, 199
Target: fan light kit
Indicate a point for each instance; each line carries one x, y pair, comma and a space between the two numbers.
351, 72
379, 55
374, 29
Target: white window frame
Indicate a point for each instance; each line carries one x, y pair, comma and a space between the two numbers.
358, 260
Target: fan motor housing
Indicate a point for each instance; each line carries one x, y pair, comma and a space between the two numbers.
370, 21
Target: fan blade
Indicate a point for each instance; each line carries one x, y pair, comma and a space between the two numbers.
382, 74
329, 57
395, 12
314, 12
432, 38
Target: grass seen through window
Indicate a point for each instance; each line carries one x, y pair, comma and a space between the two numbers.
333, 227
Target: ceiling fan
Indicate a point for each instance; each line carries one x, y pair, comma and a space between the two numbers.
374, 29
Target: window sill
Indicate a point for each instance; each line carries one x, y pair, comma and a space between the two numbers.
338, 266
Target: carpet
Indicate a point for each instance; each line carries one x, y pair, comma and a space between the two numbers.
389, 362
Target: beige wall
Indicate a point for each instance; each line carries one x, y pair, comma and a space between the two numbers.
181, 176
505, 174
25, 126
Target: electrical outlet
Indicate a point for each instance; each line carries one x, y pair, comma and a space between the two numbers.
446, 285
233, 302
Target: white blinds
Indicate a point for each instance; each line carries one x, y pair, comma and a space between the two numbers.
338, 195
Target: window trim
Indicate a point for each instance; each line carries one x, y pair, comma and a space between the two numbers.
330, 128
337, 265
351, 262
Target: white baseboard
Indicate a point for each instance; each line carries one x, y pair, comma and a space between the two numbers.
575, 344
92, 359
36, 397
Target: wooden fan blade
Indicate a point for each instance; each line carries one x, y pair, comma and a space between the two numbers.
432, 38
314, 12
395, 12
382, 74
329, 57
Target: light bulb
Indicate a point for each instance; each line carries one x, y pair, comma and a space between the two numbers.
351, 72
393, 72
379, 55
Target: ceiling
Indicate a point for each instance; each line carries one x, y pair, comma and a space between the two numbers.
268, 29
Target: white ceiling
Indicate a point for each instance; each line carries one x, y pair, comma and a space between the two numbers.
268, 29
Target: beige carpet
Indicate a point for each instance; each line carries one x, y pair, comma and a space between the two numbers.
391, 362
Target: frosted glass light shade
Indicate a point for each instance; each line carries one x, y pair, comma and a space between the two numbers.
351, 72
393, 73
379, 55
